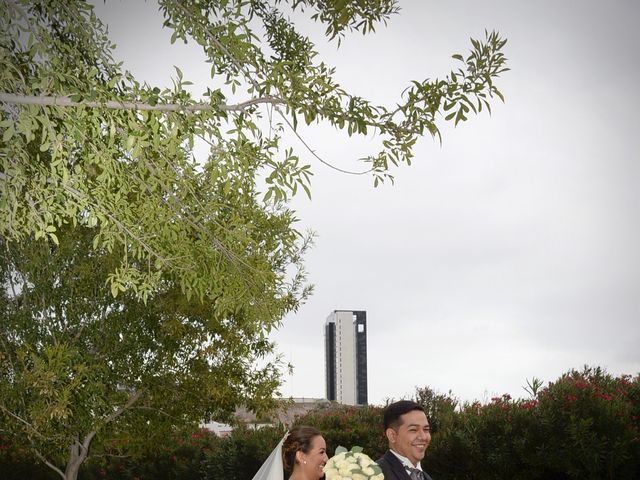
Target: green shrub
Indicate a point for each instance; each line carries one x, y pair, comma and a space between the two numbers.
17, 463
180, 458
587, 425
440, 408
583, 426
348, 426
239, 456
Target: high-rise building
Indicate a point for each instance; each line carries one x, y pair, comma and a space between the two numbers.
345, 340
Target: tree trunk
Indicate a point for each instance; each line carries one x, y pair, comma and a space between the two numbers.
76, 457
78, 452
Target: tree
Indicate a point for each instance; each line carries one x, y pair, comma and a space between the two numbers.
85, 143
98, 164
83, 372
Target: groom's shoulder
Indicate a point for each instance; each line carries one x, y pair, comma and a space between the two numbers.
386, 461
391, 467
383, 458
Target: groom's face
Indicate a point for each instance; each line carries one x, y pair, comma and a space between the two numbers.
412, 437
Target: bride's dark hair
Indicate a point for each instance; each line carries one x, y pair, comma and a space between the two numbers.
299, 439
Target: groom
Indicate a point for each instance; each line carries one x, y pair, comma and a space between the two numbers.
407, 430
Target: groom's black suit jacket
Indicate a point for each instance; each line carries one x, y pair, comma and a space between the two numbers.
393, 469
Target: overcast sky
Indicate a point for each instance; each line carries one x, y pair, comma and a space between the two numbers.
506, 253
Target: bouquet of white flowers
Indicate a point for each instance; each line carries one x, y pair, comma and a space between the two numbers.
352, 465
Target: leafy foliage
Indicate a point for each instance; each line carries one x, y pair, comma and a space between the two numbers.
349, 426
179, 459
240, 455
584, 425
439, 407
85, 143
78, 363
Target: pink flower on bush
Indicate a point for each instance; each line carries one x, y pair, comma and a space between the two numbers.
571, 398
605, 396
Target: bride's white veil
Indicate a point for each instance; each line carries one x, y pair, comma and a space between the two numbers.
272, 468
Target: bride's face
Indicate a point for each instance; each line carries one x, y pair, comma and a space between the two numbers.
315, 459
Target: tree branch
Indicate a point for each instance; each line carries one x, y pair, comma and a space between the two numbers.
49, 464
284, 117
86, 442
22, 420
132, 399
66, 101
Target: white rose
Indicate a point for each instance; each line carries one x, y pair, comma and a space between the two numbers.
351, 466
368, 471
330, 472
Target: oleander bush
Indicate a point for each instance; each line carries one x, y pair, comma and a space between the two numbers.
349, 426
583, 426
439, 407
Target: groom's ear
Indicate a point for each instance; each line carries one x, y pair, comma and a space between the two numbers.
391, 435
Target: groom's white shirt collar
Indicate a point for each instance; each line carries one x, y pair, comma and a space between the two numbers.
405, 461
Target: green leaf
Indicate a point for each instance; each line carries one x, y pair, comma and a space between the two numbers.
307, 190
340, 449
8, 134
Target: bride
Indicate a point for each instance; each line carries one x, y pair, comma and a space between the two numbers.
302, 452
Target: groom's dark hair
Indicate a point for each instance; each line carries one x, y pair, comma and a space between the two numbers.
394, 411
298, 439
